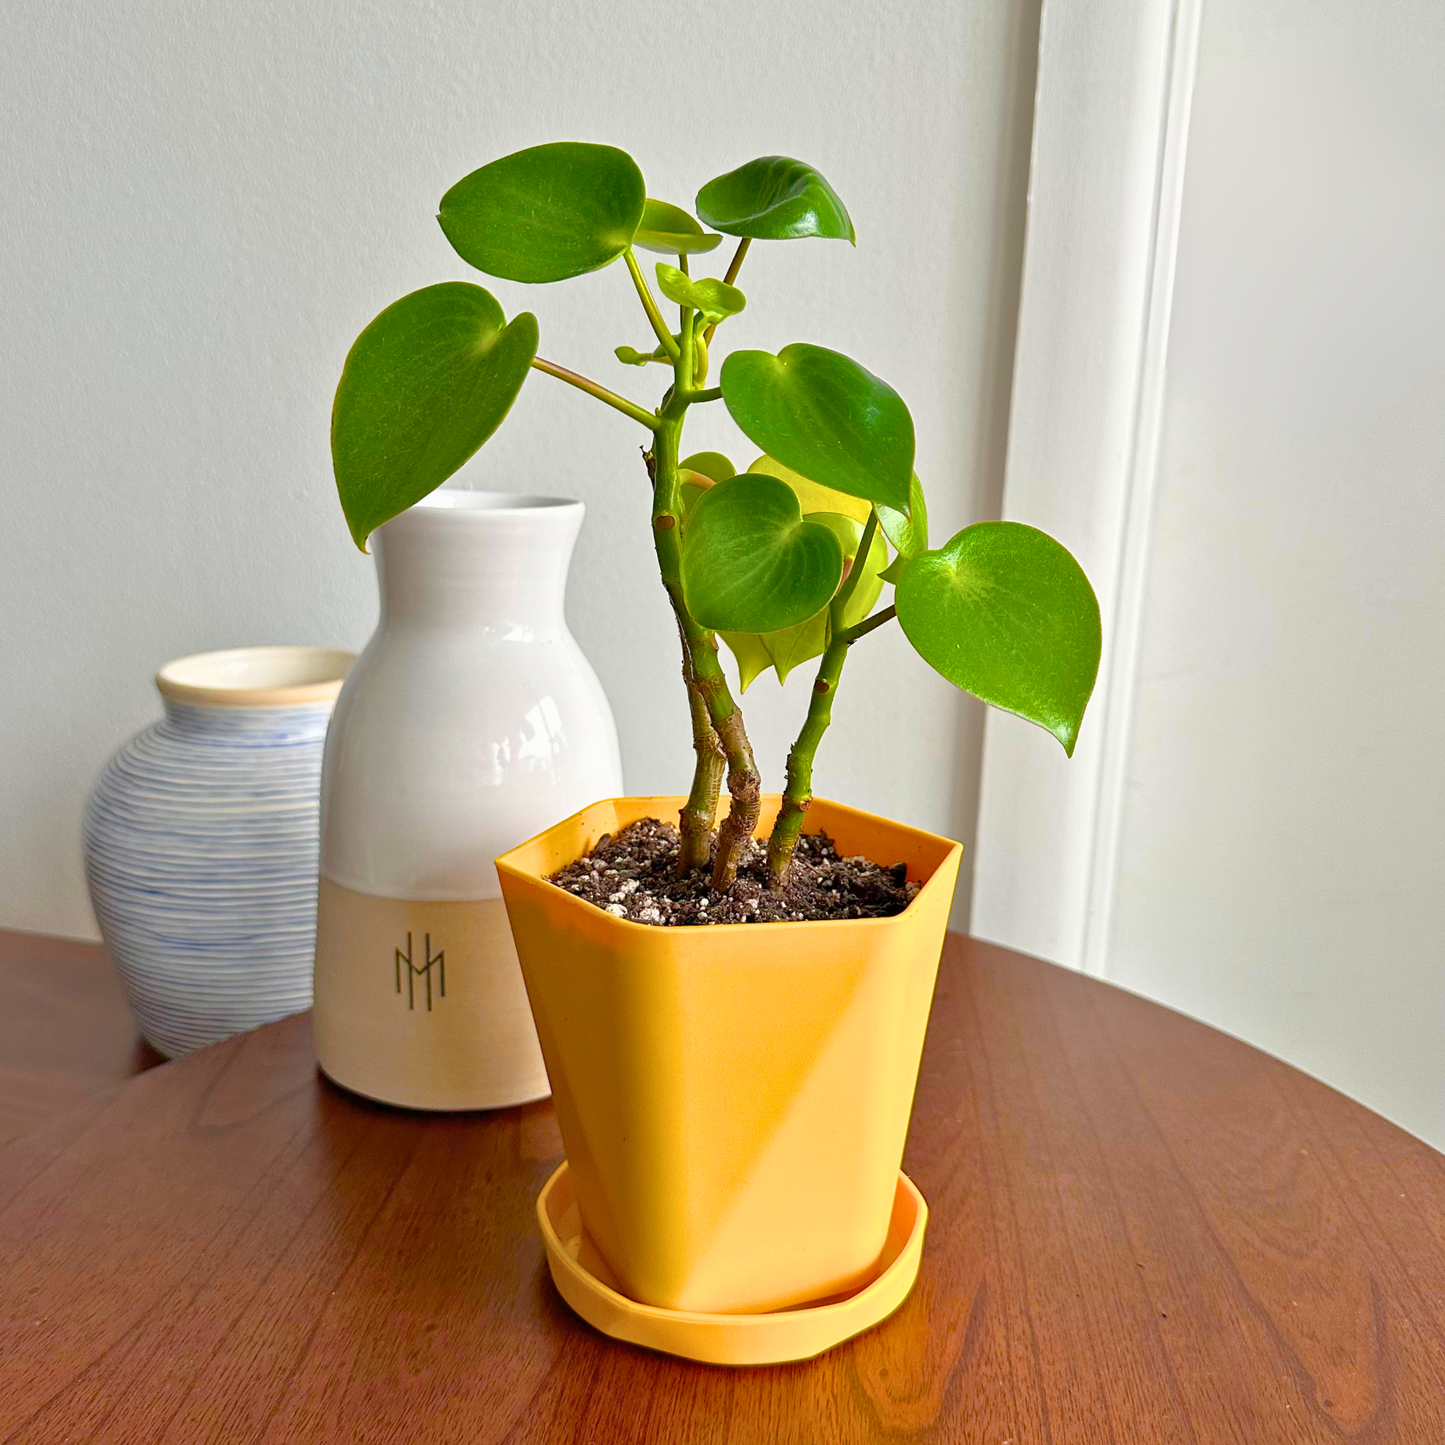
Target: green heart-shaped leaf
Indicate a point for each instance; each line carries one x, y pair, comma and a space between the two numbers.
546, 213
670, 231
1004, 612
908, 531
711, 464
715, 299
820, 413
424, 385
788, 647
774, 199
751, 563
792, 646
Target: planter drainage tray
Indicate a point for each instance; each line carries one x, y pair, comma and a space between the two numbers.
588, 1285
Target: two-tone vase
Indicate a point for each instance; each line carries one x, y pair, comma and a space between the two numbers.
471, 722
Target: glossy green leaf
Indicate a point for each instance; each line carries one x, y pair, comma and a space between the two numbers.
751, 563
774, 199
715, 299
811, 496
908, 531
710, 464
546, 213
788, 647
630, 357
793, 646
669, 231
1004, 612
820, 413
424, 385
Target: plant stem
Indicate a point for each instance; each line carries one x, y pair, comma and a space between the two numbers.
593, 388
687, 362
713, 393
798, 792
649, 305
867, 626
734, 266
696, 815
855, 572
744, 785
718, 733
708, 678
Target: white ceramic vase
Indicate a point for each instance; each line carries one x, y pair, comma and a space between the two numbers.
471, 722
201, 843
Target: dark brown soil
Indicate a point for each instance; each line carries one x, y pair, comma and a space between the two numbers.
633, 874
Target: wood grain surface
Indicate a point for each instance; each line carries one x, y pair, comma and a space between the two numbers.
65, 1030
1142, 1231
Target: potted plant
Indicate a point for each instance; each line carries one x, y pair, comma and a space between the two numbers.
733, 1099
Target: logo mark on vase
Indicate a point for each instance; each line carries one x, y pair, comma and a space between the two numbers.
413, 973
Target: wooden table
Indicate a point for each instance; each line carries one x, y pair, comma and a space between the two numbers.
65, 1032
1141, 1231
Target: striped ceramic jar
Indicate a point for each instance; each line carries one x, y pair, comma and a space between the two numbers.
201, 843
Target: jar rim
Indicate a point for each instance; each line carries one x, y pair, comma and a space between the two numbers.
463, 499
256, 676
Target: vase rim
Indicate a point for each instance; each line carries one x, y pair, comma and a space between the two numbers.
464, 500
256, 676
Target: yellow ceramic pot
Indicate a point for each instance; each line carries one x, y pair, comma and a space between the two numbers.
733, 1099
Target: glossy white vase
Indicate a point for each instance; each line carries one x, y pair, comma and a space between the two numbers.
471, 722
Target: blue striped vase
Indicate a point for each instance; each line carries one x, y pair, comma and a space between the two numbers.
201, 843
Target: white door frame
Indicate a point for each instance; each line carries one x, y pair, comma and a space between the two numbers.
1111, 121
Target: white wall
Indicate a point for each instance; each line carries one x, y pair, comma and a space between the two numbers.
206, 201
1282, 859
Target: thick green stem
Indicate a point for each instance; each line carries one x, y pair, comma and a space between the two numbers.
708, 678
719, 737
798, 791
744, 784
593, 388
695, 818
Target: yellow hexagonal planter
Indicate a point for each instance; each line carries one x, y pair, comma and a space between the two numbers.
733, 1099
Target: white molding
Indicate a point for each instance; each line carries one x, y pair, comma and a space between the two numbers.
1110, 135
1133, 569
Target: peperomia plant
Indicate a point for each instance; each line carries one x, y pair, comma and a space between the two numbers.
786, 561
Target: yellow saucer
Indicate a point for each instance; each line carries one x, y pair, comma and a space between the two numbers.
585, 1282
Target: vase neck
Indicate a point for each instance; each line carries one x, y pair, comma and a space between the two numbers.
478, 559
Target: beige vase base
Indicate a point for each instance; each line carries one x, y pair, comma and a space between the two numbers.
421, 1003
